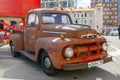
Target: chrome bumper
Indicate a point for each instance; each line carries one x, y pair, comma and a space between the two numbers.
82, 65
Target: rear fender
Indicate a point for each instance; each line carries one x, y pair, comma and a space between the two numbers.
17, 40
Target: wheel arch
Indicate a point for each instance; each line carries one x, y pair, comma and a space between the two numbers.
40, 52
51, 70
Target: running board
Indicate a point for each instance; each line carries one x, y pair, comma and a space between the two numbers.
29, 55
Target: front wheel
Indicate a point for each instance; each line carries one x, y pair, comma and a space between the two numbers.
47, 65
13, 52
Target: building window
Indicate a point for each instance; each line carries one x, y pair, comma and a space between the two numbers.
77, 14
74, 14
82, 15
44, 0
85, 14
51, 5
47, 5
63, 3
115, 4
115, 16
115, 20
42, 5
98, 9
115, 12
56, 4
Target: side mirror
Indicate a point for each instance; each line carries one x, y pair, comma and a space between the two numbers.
32, 23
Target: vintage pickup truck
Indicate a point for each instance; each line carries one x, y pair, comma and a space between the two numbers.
51, 39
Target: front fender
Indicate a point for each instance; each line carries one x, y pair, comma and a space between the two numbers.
53, 46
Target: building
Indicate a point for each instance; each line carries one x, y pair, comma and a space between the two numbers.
58, 3
88, 16
82, 15
110, 11
118, 12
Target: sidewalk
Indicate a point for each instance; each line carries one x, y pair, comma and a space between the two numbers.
112, 38
114, 43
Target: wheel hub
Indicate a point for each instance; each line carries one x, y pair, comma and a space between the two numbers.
47, 63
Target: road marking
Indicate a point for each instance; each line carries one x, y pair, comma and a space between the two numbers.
98, 78
115, 47
114, 53
9, 79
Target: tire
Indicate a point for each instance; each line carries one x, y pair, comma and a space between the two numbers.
47, 65
13, 52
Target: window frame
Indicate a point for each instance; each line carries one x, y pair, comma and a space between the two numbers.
68, 17
36, 19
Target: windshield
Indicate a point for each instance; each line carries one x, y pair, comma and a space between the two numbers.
52, 18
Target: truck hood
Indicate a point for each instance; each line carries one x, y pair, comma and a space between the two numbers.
72, 31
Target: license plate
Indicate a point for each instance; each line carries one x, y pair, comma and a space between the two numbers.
95, 63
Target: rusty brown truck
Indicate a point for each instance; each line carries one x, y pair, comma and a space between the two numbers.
51, 39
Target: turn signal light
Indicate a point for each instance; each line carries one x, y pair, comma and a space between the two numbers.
62, 36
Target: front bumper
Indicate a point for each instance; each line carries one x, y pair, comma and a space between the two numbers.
82, 65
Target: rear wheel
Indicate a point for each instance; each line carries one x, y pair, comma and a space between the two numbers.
47, 65
13, 52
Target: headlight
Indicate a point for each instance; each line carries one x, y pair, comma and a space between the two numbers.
69, 52
105, 46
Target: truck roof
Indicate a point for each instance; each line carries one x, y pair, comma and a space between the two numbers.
17, 8
48, 10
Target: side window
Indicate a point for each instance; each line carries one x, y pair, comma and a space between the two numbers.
32, 18
65, 19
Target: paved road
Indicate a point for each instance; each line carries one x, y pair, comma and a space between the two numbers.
23, 68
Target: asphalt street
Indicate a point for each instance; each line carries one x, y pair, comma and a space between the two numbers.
22, 68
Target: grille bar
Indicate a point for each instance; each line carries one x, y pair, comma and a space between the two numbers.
89, 36
87, 49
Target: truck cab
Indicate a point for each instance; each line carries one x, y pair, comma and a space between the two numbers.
51, 39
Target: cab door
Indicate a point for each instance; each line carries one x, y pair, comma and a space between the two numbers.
30, 33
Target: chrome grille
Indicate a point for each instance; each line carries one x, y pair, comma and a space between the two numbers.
89, 36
